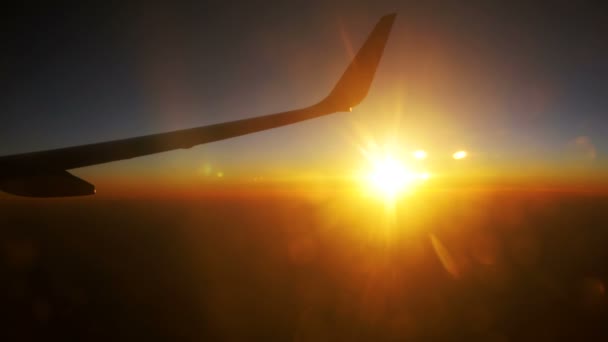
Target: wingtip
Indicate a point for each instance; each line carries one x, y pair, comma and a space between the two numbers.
388, 20
389, 17
354, 84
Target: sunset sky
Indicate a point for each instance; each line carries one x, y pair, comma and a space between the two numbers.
522, 88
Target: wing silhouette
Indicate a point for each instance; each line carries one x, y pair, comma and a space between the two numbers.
42, 173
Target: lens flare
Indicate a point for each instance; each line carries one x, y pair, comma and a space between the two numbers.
419, 154
424, 176
460, 155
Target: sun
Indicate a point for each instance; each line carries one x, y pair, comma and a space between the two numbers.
390, 177
390, 172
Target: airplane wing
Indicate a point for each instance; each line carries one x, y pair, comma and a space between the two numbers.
43, 173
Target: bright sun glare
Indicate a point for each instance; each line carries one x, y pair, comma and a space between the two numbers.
391, 173
390, 177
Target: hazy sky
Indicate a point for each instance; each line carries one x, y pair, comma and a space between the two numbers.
513, 84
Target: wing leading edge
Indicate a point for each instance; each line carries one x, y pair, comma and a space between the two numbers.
349, 91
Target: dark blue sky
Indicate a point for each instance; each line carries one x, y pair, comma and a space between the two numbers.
506, 81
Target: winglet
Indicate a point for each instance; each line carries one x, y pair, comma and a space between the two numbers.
354, 85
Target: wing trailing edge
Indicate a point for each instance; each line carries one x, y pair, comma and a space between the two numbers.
47, 184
